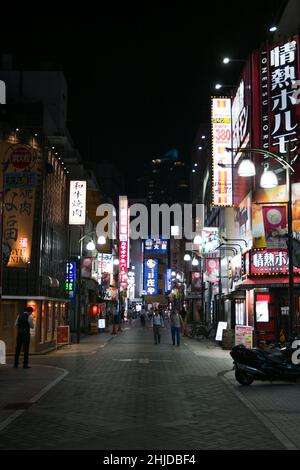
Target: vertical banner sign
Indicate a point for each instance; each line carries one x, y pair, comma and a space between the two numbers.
275, 225
105, 267
87, 267
221, 138
279, 123
77, 205
21, 168
212, 269
264, 79
70, 279
151, 276
283, 72
196, 281
123, 237
168, 283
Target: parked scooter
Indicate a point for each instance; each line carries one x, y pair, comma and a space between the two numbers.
267, 364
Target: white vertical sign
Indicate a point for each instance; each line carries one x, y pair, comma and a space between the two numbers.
77, 206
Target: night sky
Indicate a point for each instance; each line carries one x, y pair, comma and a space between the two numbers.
139, 78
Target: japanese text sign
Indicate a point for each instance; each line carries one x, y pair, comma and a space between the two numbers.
222, 159
77, 205
151, 276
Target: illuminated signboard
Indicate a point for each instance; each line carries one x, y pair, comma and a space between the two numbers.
70, 278
105, 263
168, 283
155, 246
271, 261
77, 205
151, 276
21, 168
123, 237
262, 308
212, 270
210, 239
283, 63
222, 159
25, 180
277, 72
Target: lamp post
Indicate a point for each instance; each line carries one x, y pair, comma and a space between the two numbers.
90, 246
78, 319
269, 180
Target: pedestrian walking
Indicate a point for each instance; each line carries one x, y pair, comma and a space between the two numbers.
115, 320
24, 323
143, 317
158, 322
176, 323
183, 314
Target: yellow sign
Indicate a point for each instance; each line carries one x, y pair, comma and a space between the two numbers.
19, 203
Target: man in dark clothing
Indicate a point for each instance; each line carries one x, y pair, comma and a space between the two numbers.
23, 323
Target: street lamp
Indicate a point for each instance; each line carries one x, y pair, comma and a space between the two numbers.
268, 180
197, 240
90, 247
227, 60
218, 86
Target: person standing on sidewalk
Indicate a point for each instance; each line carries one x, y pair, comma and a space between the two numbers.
158, 322
176, 323
24, 323
143, 317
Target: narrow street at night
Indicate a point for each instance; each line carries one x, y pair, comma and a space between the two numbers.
150, 233
125, 392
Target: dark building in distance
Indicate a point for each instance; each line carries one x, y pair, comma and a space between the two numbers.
165, 180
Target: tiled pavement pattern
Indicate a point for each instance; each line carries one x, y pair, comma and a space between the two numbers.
277, 404
132, 394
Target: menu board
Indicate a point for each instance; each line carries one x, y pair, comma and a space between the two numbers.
244, 336
63, 334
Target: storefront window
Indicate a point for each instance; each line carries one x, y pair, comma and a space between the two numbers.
262, 308
49, 321
43, 320
56, 318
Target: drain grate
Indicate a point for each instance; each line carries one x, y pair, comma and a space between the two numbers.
17, 406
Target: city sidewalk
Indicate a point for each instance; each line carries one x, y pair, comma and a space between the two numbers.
277, 405
20, 388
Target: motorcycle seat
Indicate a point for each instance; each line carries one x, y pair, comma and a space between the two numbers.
274, 357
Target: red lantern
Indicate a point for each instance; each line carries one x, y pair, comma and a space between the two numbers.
94, 310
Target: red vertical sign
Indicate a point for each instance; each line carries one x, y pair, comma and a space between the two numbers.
123, 237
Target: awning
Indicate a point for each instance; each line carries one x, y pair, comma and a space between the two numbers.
268, 281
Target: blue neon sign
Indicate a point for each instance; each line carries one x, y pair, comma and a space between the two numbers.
151, 276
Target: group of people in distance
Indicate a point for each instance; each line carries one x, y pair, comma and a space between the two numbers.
158, 318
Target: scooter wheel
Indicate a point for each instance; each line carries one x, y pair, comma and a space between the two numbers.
243, 378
